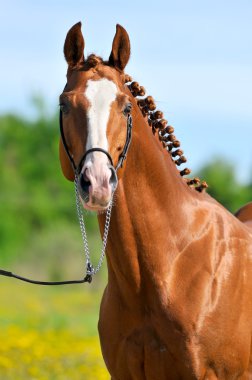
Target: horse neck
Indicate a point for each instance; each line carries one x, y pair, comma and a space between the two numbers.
149, 211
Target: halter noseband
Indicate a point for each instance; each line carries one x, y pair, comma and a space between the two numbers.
122, 156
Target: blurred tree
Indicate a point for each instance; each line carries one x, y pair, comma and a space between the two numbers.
224, 186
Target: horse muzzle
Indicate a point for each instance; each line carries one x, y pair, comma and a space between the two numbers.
96, 186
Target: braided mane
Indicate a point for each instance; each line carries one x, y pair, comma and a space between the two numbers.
165, 132
156, 122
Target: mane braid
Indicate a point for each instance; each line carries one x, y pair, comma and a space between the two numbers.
165, 132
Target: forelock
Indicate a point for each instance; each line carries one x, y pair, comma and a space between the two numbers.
93, 60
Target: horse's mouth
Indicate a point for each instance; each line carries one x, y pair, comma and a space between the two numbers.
96, 208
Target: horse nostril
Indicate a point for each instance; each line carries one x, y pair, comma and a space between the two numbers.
85, 176
84, 182
113, 181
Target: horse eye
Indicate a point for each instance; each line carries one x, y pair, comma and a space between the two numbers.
127, 109
63, 108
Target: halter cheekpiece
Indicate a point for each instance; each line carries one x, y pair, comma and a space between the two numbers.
122, 156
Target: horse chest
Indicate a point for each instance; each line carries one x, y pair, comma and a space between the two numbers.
149, 347
158, 344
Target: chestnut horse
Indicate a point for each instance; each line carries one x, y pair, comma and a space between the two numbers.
178, 303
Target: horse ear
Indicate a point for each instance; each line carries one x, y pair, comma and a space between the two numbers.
65, 163
74, 46
120, 53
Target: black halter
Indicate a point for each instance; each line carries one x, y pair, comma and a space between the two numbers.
77, 170
122, 157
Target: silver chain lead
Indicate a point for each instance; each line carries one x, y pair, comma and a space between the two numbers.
91, 270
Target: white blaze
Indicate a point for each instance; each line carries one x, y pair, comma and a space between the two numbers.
100, 94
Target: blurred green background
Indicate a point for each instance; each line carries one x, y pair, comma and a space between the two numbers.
51, 333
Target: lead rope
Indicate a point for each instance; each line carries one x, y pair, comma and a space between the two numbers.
90, 269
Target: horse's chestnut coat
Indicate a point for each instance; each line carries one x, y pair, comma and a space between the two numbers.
178, 304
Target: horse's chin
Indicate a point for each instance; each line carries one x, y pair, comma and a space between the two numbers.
94, 207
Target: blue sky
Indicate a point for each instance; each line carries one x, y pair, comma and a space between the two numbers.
194, 57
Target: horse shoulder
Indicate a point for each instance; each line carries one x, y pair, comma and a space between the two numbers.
244, 214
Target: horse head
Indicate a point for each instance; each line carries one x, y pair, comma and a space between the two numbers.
94, 108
